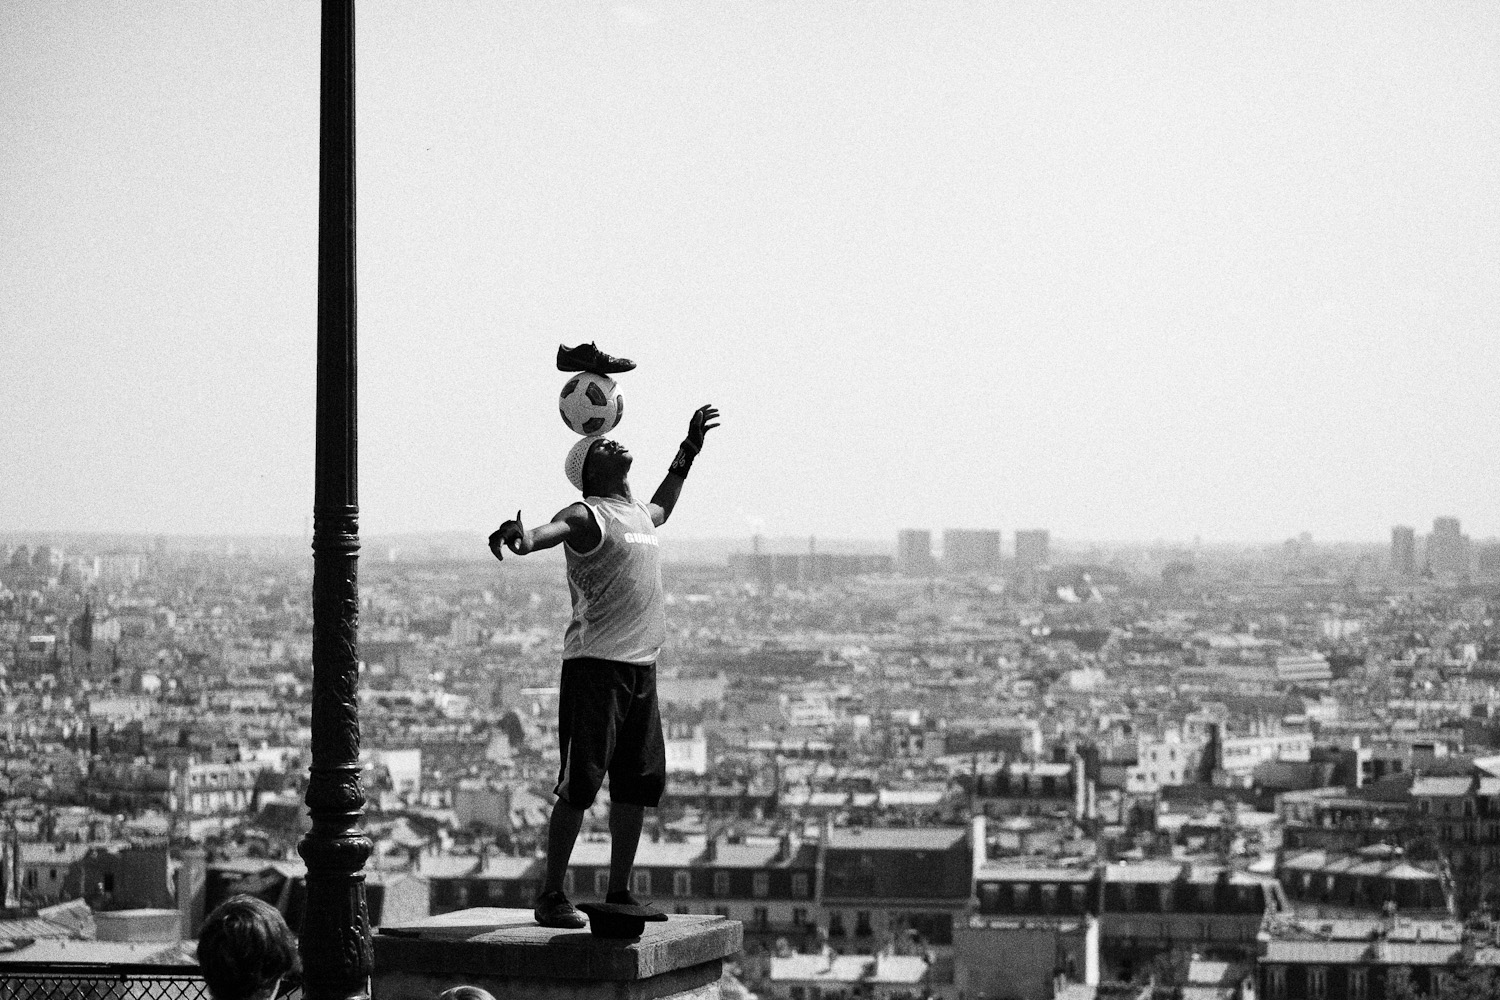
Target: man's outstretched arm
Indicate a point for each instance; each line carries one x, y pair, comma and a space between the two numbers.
574, 524
705, 419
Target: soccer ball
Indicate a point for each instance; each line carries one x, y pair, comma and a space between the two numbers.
590, 405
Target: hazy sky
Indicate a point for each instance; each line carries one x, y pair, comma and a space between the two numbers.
1123, 270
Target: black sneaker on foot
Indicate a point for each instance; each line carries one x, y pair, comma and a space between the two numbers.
553, 910
588, 358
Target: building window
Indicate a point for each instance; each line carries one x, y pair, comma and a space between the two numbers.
1276, 982
1359, 984
801, 885
1049, 899
862, 927
761, 885
601, 882
835, 924
989, 898
640, 882
682, 883
761, 917
799, 916
721, 883
1317, 982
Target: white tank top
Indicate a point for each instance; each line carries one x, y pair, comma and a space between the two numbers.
618, 611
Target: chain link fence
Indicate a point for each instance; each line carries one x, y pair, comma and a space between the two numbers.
49, 981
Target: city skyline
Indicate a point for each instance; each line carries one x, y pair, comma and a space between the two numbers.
1204, 273
1410, 540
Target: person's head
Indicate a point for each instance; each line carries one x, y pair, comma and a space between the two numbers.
465, 993
596, 466
245, 949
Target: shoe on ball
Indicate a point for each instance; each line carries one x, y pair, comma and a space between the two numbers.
588, 358
624, 897
553, 910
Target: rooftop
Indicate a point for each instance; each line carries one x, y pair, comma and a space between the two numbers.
895, 839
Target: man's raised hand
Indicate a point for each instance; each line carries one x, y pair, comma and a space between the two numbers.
705, 419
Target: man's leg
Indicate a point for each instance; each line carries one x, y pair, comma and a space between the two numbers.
625, 821
637, 775
562, 833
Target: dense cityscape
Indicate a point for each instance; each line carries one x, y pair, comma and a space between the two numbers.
954, 768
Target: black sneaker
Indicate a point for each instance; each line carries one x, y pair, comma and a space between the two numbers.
625, 897
588, 358
553, 910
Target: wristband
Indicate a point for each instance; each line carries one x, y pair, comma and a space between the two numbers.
683, 462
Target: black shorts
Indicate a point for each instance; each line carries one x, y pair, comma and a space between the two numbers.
608, 723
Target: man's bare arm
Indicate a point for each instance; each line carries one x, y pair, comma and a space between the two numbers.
665, 498
573, 524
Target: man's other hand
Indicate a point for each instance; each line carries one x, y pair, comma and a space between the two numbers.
705, 419
511, 534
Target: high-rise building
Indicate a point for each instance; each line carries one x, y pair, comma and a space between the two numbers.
1487, 560
1403, 550
1032, 548
967, 550
914, 552
1447, 549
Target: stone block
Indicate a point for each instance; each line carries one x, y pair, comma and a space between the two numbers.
505, 952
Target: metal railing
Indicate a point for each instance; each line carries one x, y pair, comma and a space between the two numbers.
97, 981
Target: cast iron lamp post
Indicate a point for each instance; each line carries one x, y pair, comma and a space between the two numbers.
335, 939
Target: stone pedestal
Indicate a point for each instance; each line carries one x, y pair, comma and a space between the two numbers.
505, 952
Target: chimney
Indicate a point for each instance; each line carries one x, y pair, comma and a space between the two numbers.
978, 829
821, 864
790, 843
1080, 788
192, 886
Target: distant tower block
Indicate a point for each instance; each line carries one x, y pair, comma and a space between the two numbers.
1487, 560
1403, 550
971, 551
1448, 549
914, 552
1032, 548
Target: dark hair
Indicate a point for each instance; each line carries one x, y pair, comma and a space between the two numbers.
244, 947
465, 993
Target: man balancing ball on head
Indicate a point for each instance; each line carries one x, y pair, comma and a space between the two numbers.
608, 722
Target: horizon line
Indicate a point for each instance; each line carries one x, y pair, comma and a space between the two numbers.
1055, 539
